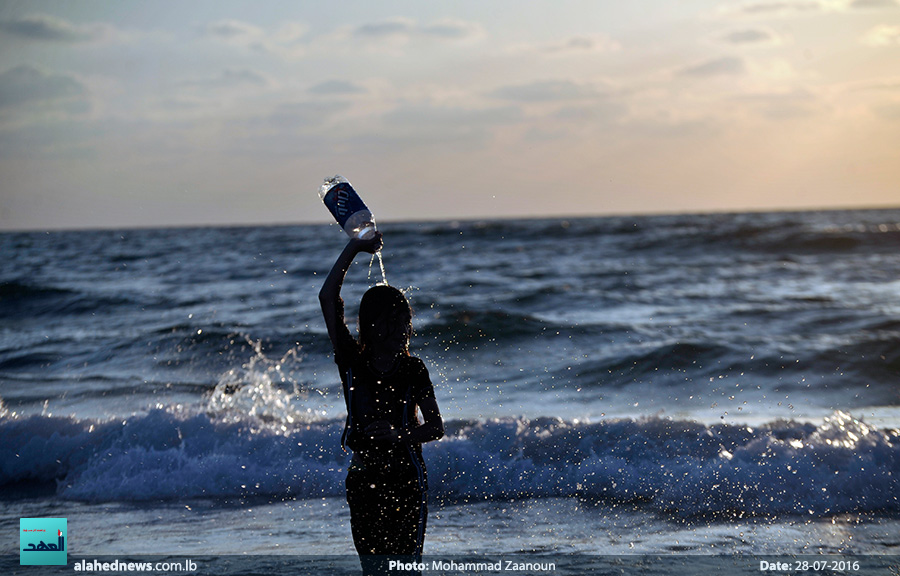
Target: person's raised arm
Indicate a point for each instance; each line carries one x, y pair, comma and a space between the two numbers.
330, 294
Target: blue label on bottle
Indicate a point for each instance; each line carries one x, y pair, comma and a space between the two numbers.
343, 202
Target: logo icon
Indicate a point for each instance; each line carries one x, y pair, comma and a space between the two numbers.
42, 541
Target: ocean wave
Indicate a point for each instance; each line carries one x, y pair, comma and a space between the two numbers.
877, 360
22, 360
677, 467
694, 358
776, 233
471, 326
19, 299
870, 368
211, 348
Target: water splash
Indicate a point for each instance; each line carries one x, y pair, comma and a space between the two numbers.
380, 265
257, 391
841, 430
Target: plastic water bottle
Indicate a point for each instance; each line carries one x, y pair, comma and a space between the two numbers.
347, 207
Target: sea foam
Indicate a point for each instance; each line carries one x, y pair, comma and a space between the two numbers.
678, 467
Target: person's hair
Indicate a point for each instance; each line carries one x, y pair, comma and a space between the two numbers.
376, 302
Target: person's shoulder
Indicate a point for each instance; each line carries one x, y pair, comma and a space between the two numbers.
418, 375
415, 365
415, 361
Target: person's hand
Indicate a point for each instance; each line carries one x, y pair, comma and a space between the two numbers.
382, 430
369, 245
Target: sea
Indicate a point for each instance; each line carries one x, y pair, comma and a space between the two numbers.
621, 395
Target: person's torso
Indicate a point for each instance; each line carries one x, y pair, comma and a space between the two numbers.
386, 396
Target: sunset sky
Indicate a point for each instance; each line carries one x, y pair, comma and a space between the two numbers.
179, 113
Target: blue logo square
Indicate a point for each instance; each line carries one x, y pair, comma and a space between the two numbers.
43, 541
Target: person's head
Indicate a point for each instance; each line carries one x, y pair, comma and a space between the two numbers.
385, 320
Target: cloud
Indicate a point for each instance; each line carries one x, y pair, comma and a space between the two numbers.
286, 41
873, 4
775, 8
885, 85
41, 27
27, 85
548, 91
882, 35
234, 30
243, 77
726, 66
406, 29
290, 41
888, 111
337, 88
450, 118
751, 37
782, 105
602, 112
386, 28
452, 30
788, 7
234, 78
571, 46
424, 126
305, 114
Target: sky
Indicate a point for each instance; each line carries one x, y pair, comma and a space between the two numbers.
164, 113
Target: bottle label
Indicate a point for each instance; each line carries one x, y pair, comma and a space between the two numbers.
343, 202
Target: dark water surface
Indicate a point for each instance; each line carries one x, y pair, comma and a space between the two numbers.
724, 366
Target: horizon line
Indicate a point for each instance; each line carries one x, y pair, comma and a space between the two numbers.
464, 219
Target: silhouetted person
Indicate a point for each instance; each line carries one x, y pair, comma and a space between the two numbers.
383, 388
